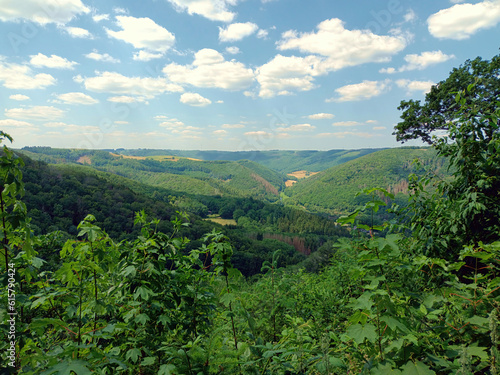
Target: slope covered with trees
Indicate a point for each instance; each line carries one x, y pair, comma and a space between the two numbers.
332, 190
278, 160
418, 296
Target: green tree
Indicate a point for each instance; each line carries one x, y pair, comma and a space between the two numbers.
466, 209
440, 108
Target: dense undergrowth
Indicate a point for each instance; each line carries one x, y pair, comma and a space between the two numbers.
423, 298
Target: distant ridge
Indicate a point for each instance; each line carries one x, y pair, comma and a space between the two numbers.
285, 161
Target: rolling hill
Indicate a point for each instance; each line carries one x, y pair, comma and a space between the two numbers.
241, 178
284, 161
333, 190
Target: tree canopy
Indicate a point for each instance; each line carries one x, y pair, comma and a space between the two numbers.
440, 107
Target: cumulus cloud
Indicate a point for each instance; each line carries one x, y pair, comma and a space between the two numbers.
116, 83
330, 48
35, 113
100, 17
77, 98
104, 57
172, 123
285, 73
420, 62
360, 91
42, 11
19, 97
144, 34
233, 50
78, 32
297, 128
237, 31
461, 21
194, 99
410, 86
321, 116
126, 99
258, 134
342, 47
15, 76
214, 10
54, 61
233, 126
346, 123
209, 69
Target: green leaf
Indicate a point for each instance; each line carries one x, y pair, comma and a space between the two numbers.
167, 370
363, 302
141, 318
148, 361
384, 370
227, 298
417, 368
133, 354
68, 367
359, 333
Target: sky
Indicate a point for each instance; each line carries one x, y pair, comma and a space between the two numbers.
234, 75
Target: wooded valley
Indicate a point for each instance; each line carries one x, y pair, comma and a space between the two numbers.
162, 262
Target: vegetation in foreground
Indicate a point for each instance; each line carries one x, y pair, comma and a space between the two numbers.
419, 303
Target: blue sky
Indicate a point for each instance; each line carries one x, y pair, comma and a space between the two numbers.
228, 74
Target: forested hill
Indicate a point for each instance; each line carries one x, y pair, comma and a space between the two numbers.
60, 196
333, 190
226, 178
279, 160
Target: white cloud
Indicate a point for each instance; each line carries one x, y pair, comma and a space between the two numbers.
100, 17
77, 98
220, 132
420, 62
410, 86
259, 134
360, 91
388, 70
115, 83
78, 32
321, 116
121, 122
342, 47
35, 113
19, 97
15, 76
298, 128
233, 50
379, 128
284, 73
346, 123
209, 69
262, 34
172, 123
53, 61
125, 99
410, 16
18, 129
463, 20
237, 31
214, 10
194, 99
101, 57
42, 11
143, 33
119, 10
